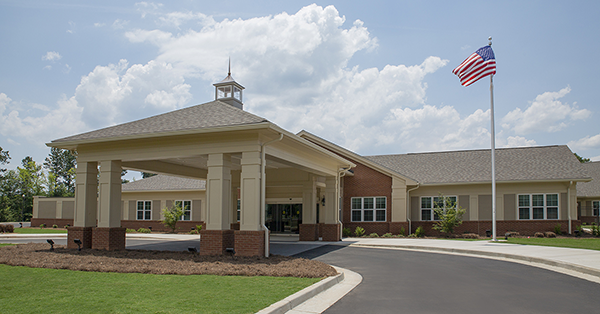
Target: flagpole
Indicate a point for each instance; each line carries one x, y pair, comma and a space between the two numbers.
493, 136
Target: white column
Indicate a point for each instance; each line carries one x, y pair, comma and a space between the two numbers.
86, 189
309, 201
250, 218
330, 210
110, 194
218, 192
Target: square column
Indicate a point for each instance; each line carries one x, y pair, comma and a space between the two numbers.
217, 236
109, 235
309, 230
331, 228
250, 183
86, 205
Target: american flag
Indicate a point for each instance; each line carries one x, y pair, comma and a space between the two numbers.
480, 64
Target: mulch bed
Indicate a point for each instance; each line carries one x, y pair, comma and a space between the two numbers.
39, 255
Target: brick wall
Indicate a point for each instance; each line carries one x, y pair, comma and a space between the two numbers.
331, 232
589, 219
82, 233
214, 242
249, 243
525, 228
108, 239
309, 232
157, 225
49, 222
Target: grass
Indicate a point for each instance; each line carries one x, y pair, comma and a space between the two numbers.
93, 292
577, 243
6, 244
39, 230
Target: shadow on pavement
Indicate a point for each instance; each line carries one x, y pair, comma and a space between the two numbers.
319, 251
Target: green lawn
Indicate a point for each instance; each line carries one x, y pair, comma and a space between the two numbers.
577, 243
65, 291
6, 244
39, 230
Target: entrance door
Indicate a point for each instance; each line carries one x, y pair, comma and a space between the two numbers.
284, 218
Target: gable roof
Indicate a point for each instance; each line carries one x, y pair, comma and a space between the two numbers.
164, 183
590, 189
209, 115
544, 163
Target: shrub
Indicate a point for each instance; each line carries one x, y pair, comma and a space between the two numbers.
403, 231
538, 234
470, 236
450, 216
419, 233
359, 231
144, 230
346, 232
387, 235
2, 228
9, 228
513, 233
129, 230
557, 229
54, 226
42, 226
171, 215
550, 234
66, 226
412, 235
373, 235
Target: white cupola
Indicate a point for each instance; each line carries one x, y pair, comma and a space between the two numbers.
229, 91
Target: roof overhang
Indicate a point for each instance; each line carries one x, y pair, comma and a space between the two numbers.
506, 182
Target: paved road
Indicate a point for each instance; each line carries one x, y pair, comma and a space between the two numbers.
397, 281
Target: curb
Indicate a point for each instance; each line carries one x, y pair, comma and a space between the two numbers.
299, 297
539, 260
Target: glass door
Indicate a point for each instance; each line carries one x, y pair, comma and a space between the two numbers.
283, 218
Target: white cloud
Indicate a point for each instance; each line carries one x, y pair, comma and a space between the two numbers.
148, 7
545, 114
519, 141
99, 24
588, 142
51, 56
119, 24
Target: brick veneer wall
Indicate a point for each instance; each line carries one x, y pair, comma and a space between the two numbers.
309, 232
588, 219
157, 225
49, 222
82, 233
525, 228
108, 239
249, 243
214, 242
331, 232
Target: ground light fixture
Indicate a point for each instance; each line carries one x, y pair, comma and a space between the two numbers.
150, 228
78, 242
230, 250
51, 244
192, 249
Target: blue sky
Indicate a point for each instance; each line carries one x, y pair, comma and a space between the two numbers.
374, 77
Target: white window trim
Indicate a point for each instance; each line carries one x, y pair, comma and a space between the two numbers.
433, 206
144, 210
181, 218
545, 206
374, 209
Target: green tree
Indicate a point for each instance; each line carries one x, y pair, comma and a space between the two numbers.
11, 201
147, 175
581, 159
4, 157
450, 215
31, 183
60, 164
171, 215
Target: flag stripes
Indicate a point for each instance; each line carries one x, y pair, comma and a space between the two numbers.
479, 64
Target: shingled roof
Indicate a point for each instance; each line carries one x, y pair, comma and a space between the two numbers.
208, 115
590, 189
544, 163
164, 183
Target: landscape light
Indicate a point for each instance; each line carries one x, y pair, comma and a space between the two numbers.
78, 242
51, 244
150, 228
230, 250
192, 249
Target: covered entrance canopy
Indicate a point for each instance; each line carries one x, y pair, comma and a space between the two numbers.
217, 141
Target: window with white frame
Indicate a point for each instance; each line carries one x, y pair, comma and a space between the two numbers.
369, 208
186, 207
239, 207
538, 206
429, 203
144, 210
596, 207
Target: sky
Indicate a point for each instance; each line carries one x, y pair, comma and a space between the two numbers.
374, 77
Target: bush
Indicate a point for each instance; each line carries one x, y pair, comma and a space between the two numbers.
359, 231
2, 228
470, 236
512, 233
549, 234
54, 226
171, 216
42, 226
373, 235
387, 235
144, 230
557, 229
412, 235
450, 216
538, 234
7, 228
129, 230
66, 226
346, 232
420, 232
403, 231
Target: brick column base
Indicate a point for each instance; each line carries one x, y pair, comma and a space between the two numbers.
82, 233
108, 239
214, 242
249, 243
309, 232
331, 232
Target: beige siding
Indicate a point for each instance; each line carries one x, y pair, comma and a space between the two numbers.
415, 208
563, 203
47, 209
510, 209
485, 207
463, 202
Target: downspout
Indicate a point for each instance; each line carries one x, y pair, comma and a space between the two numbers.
263, 189
341, 174
408, 207
569, 203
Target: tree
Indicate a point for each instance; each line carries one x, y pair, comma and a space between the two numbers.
61, 165
147, 175
581, 159
4, 157
450, 216
171, 215
31, 183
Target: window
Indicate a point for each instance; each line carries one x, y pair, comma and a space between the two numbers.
538, 206
595, 206
429, 203
186, 206
239, 206
144, 210
369, 208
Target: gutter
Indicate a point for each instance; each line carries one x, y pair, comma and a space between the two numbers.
341, 174
408, 207
263, 189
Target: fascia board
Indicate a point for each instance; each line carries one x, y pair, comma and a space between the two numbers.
506, 182
162, 191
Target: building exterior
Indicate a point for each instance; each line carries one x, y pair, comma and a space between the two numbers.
588, 194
